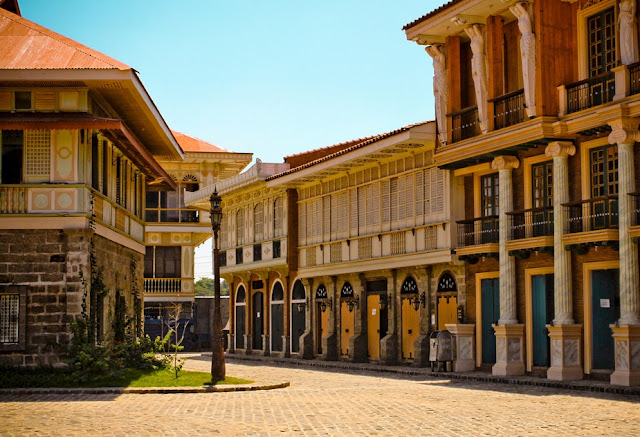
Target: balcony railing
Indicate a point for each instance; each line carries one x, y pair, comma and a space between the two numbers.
13, 199
480, 230
591, 92
592, 214
508, 109
530, 223
464, 124
634, 78
162, 285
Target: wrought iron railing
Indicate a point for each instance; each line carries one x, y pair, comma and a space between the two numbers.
530, 223
591, 92
464, 124
481, 230
162, 285
508, 109
634, 78
592, 214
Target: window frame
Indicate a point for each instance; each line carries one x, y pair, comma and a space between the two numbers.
21, 291
583, 36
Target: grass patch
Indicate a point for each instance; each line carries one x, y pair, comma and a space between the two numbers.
62, 378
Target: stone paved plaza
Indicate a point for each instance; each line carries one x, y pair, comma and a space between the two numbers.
321, 402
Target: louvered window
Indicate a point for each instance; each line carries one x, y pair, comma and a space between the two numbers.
309, 214
386, 211
334, 217
258, 222
419, 197
342, 215
317, 220
240, 227
277, 218
362, 210
302, 224
353, 212
393, 199
326, 218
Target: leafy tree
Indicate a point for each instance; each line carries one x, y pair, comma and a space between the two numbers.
205, 287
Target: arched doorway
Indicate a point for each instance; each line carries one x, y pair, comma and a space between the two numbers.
447, 295
241, 307
258, 319
410, 317
277, 317
298, 304
322, 316
347, 318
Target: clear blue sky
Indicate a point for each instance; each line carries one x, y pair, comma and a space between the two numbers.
268, 77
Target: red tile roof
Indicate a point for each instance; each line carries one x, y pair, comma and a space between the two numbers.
192, 144
302, 158
27, 45
431, 14
355, 144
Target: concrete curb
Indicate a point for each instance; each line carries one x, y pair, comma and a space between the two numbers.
142, 390
581, 385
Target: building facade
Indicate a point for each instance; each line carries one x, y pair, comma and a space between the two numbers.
78, 138
537, 113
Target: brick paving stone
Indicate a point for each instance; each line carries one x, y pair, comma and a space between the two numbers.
327, 402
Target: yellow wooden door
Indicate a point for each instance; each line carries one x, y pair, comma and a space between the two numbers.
410, 328
447, 311
373, 326
347, 325
324, 326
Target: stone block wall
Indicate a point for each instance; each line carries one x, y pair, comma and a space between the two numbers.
48, 263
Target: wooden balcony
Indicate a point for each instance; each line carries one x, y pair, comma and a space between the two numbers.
634, 78
592, 214
508, 109
464, 124
531, 223
162, 285
590, 92
478, 231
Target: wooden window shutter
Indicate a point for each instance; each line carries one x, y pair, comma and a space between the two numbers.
402, 197
362, 210
370, 208
386, 214
375, 204
277, 217
427, 193
342, 214
326, 218
409, 199
419, 196
439, 182
353, 212
309, 215
393, 199
302, 224
317, 220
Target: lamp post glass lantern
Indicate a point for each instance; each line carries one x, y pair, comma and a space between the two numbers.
217, 342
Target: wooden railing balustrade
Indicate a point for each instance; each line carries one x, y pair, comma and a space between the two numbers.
162, 285
634, 78
508, 109
464, 124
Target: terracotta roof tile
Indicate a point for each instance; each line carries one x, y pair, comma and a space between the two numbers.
192, 144
27, 45
302, 158
355, 144
430, 14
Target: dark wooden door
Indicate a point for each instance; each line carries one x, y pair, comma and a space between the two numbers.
604, 312
490, 315
258, 318
277, 326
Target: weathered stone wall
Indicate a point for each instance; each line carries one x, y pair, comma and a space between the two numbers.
49, 263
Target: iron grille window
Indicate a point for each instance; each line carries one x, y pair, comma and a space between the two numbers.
222, 259
9, 318
239, 257
602, 42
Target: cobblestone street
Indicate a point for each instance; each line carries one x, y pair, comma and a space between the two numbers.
322, 402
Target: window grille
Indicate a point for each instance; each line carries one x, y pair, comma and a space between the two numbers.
430, 238
398, 243
37, 155
335, 252
365, 248
9, 320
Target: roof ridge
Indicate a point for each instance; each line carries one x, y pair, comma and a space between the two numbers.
61, 38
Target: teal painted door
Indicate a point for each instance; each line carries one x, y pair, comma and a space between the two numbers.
490, 315
605, 296
542, 314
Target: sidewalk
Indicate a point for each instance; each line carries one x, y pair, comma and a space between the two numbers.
581, 385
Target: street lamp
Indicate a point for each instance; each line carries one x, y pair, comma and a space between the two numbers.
217, 343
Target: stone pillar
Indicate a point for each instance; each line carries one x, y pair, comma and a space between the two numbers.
358, 342
330, 341
464, 349
509, 334
389, 343
565, 336
563, 299
421, 345
627, 334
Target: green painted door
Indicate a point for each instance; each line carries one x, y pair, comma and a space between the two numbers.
490, 316
542, 315
605, 296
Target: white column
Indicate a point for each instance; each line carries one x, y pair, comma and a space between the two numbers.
563, 298
625, 133
505, 166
